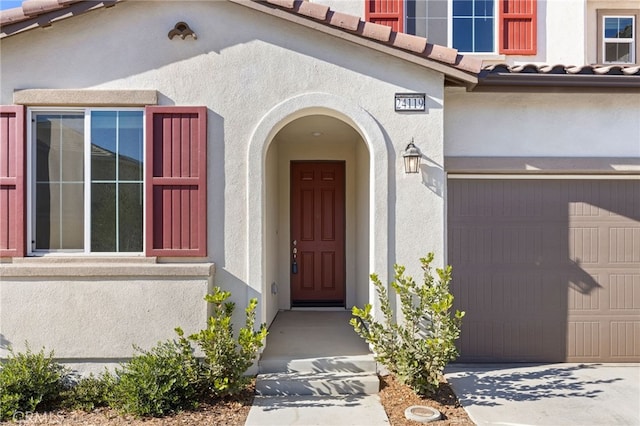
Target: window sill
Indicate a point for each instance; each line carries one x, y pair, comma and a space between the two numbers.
105, 267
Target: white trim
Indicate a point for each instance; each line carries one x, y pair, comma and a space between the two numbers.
531, 176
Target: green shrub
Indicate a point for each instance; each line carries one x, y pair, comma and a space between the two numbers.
418, 347
163, 380
90, 392
29, 382
227, 359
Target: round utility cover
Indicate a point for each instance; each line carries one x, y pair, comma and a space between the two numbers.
422, 414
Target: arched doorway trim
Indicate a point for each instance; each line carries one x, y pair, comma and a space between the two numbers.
279, 116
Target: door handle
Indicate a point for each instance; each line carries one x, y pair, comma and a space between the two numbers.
294, 256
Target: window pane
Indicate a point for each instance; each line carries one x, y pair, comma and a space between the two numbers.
618, 27
130, 145
483, 35
103, 217
103, 145
72, 141
59, 187
462, 8
617, 52
72, 216
130, 215
462, 34
483, 8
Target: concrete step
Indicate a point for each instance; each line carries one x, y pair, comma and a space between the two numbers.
296, 383
333, 364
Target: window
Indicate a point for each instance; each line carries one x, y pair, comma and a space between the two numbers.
104, 181
618, 41
473, 25
88, 181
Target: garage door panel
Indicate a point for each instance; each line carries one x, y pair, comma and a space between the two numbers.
546, 270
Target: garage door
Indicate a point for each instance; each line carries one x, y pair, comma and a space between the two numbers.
546, 269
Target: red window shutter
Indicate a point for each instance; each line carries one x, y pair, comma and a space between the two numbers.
518, 27
386, 12
12, 189
176, 181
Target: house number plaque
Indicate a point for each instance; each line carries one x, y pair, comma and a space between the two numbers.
410, 101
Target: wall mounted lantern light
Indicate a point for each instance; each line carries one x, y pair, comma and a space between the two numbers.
411, 157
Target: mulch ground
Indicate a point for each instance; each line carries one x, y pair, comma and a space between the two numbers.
395, 398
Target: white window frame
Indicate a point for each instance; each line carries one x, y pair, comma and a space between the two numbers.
496, 10
631, 41
30, 177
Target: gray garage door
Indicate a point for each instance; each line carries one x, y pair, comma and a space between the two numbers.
547, 270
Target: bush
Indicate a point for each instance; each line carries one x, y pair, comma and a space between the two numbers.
418, 348
226, 360
163, 380
29, 382
90, 392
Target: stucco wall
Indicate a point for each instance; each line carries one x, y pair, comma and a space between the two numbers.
243, 65
542, 125
87, 309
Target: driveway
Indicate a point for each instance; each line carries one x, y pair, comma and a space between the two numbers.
548, 394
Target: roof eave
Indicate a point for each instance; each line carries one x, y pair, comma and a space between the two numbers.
526, 81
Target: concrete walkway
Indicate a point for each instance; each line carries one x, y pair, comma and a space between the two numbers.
316, 341
548, 394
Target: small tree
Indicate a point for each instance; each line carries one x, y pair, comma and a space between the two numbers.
227, 359
418, 348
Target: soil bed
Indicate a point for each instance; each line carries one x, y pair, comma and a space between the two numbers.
395, 398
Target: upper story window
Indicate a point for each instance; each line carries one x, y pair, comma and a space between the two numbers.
87, 190
472, 26
618, 39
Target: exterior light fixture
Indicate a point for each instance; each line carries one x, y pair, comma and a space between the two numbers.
411, 157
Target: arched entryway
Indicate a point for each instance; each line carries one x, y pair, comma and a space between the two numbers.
315, 128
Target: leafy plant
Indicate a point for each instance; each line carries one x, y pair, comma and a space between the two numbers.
29, 382
226, 359
417, 348
163, 380
90, 392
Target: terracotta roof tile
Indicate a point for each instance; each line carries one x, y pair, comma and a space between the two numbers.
468, 63
408, 42
626, 70
590, 76
312, 10
374, 31
289, 4
342, 20
441, 53
38, 7
9, 16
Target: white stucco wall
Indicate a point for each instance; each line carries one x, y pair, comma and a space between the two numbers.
247, 68
542, 125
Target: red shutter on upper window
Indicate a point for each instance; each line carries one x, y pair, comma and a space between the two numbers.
386, 12
518, 27
12, 189
176, 181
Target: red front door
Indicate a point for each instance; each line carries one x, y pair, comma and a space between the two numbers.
317, 243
